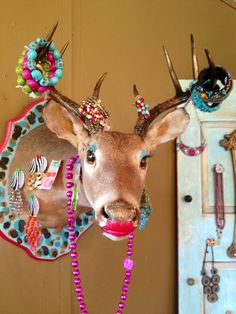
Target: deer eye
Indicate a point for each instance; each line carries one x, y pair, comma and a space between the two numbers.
143, 162
91, 157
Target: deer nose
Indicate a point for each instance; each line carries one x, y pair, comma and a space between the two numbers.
119, 213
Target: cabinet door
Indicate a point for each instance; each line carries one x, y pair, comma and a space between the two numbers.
196, 219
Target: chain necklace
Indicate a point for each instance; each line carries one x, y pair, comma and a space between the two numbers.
219, 200
128, 261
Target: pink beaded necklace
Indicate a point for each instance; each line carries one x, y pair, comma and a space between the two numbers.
128, 262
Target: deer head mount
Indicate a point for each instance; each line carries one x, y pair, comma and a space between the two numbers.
114, 164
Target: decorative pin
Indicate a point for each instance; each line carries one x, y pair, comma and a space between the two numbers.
17, 183
219, 200
50, 176
32, 228
142, 107
210, 284
36, 168
145, 209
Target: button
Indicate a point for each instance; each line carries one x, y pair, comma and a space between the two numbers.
188, 198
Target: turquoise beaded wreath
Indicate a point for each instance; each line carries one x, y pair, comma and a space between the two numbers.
39, 68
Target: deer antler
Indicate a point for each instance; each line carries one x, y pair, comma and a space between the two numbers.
91, 103
179, 98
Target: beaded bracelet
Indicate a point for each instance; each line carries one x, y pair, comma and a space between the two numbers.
207, 98
37, 74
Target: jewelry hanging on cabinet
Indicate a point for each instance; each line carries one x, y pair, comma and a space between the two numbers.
219, 200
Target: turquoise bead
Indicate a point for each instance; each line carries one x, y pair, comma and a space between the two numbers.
33, 45
31, 65
41, 42
53, 80
52, 47
59, 64
58, 73
57, 54
36, 75
32, 54
44, 82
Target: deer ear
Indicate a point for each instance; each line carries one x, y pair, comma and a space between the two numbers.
167, 129
64, 124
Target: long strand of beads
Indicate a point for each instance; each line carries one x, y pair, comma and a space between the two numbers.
128, 262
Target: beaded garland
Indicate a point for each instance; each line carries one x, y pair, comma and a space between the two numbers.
36, 74
128, 261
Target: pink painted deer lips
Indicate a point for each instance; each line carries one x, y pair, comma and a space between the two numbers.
119, 229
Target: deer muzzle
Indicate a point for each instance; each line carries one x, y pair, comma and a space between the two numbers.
118, 220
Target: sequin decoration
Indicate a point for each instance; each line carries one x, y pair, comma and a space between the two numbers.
16, 184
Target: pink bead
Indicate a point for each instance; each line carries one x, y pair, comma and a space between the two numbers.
77, 281
72, 160
80, 298
70, 211
191, 152
125, 288
84, 312
79, 289
128, 273
130, 244
127, 280
42, 89
72, 237
69, 175
82, 306
33, 85
51, 74
76, 272
69, 193
69, 185
123, 296
50, 57
75, 264
26, 74
128, 263
25, 64
131, 236
69, 167
74, 255
129, 252
71, 220
121, 305
69, 202
73, 246
71, 228
119, 312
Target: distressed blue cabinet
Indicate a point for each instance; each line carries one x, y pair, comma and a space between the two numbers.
196, 219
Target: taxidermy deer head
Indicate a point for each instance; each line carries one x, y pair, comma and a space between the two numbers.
114, 164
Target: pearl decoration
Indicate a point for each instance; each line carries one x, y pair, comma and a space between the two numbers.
128, 262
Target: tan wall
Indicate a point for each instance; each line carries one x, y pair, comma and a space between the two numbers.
124, 38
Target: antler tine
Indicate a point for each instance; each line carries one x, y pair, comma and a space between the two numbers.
136, 93
173, 75
51, 33
212, 68
98, 86
194, 58
63, 49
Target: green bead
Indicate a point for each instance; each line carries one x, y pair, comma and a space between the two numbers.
19, 69
23, 52
38, 94
20, 80
46, 67
27, 89
20, 60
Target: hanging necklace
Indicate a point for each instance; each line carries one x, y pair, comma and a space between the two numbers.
219, 200
192, 150
210, 284
72, 204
